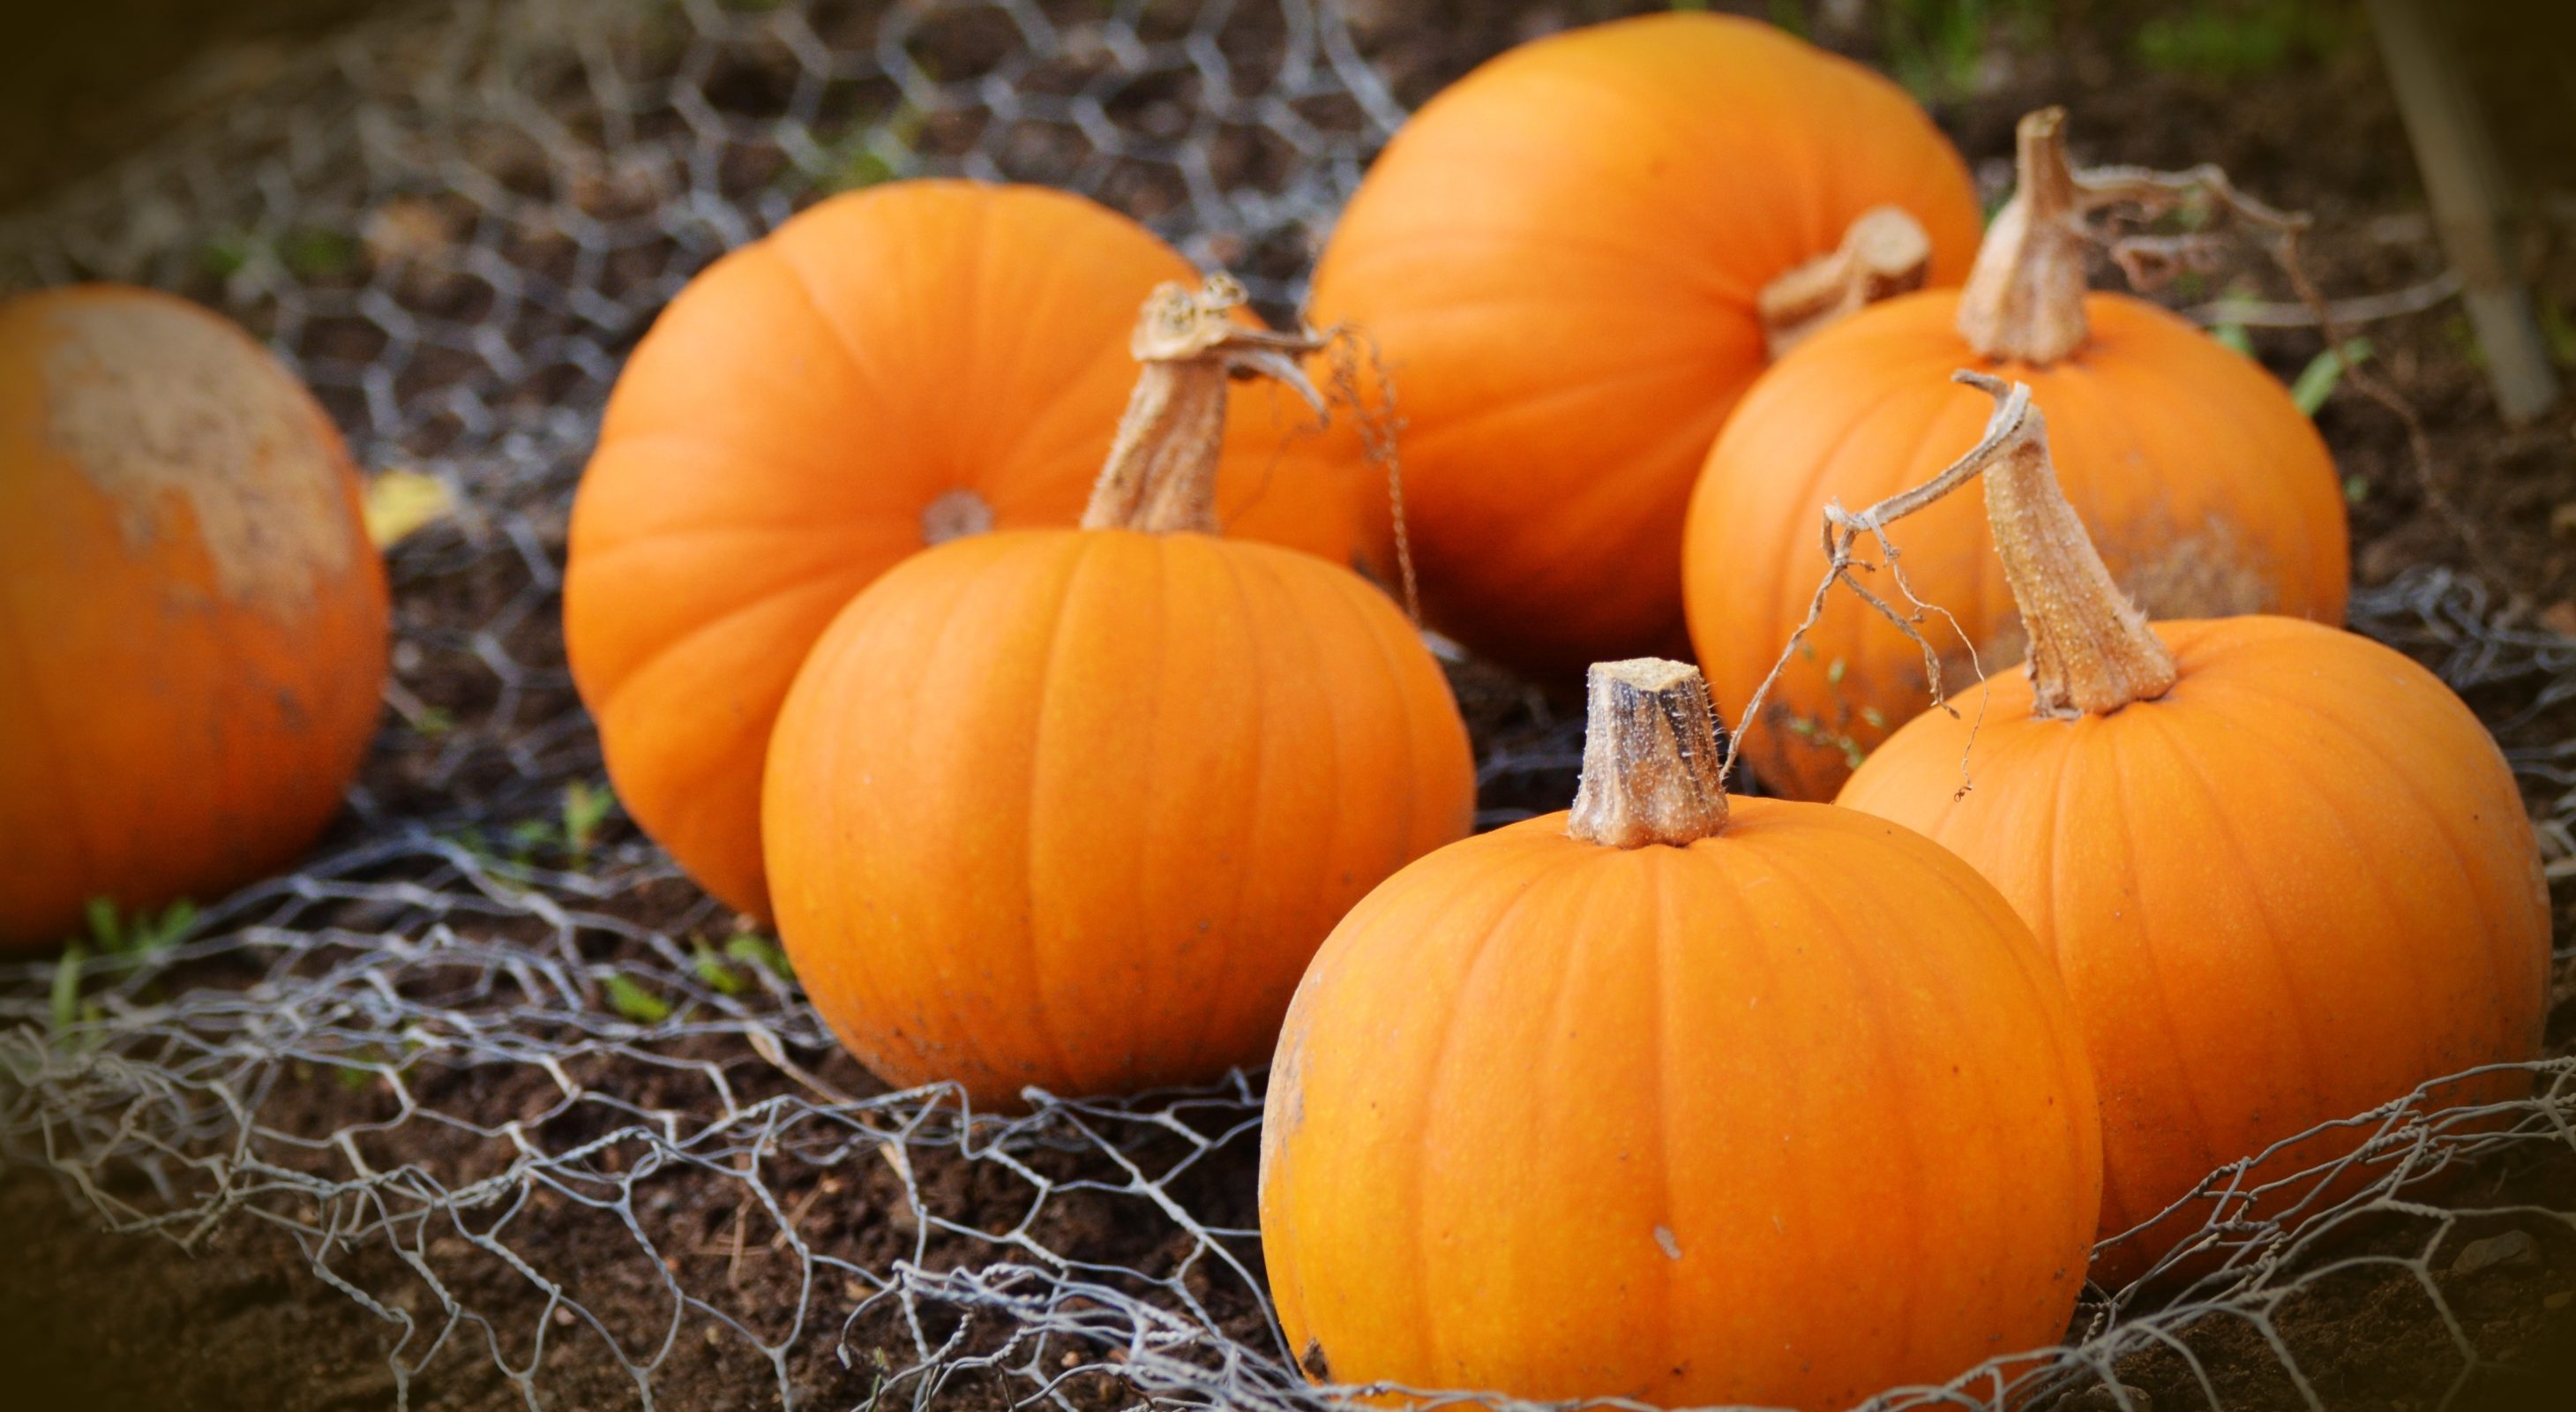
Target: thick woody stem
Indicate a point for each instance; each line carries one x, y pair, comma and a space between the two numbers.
1885, 253
1652, 769
2025, 296
1161, 472
2091, 650
2024, 299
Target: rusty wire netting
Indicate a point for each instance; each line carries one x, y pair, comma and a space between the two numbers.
517, 1092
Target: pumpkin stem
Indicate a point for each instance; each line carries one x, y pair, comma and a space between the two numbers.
1885, 253
1161, 472
1651, 762
2025, 296
2091, 650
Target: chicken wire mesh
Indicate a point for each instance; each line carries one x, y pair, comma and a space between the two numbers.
526, 1097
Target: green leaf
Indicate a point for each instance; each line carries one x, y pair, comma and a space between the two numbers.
226, 255
163, 932
105, 926
584, 809
2235, 337
2356, 489
712, 969
2317, 381
2559, 332
635, 1002
758, 950
318, 254
67, 984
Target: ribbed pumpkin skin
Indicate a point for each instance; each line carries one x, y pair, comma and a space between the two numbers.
2206, 489
1532, 1129
1559, 257
1074, 808
191, 617
2295, 887
775, 440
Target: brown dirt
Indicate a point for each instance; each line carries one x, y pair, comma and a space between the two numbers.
240, 1322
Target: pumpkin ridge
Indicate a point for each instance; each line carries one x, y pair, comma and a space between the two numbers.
1017, 451
673, 650
1576, 901
2043, 984
959, 589
1483, 951
1081, 554
2161, 989
1667, 1216
1404, 805
2315, 1056
818, 308
2392, 769
1696, 279
732, 521
1600, 497
1900, 1144
1254, 659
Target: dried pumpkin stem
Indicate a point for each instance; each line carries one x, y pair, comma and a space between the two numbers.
2091, 650
2025, 295
1161, 472
1885, 253
1652, 769
2024, 298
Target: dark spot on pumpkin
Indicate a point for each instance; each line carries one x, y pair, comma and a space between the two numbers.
958, 513
1312, 1360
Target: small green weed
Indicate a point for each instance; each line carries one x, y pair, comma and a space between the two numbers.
630, 999
2317, 381
318, 254
113, 936
2235, 40
584, 809
1938, 48
2559, 331
752, 948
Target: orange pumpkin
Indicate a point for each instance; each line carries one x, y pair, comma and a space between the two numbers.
193, 616
1073, 807
1565, 259
2209, 492
885, 371
2285, 872
1679, 1099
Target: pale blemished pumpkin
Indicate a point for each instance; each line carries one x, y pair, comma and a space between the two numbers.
2285, 872
1071, 808
2208, 491
1563, 260
1677, 1098
886, 370
192, 619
